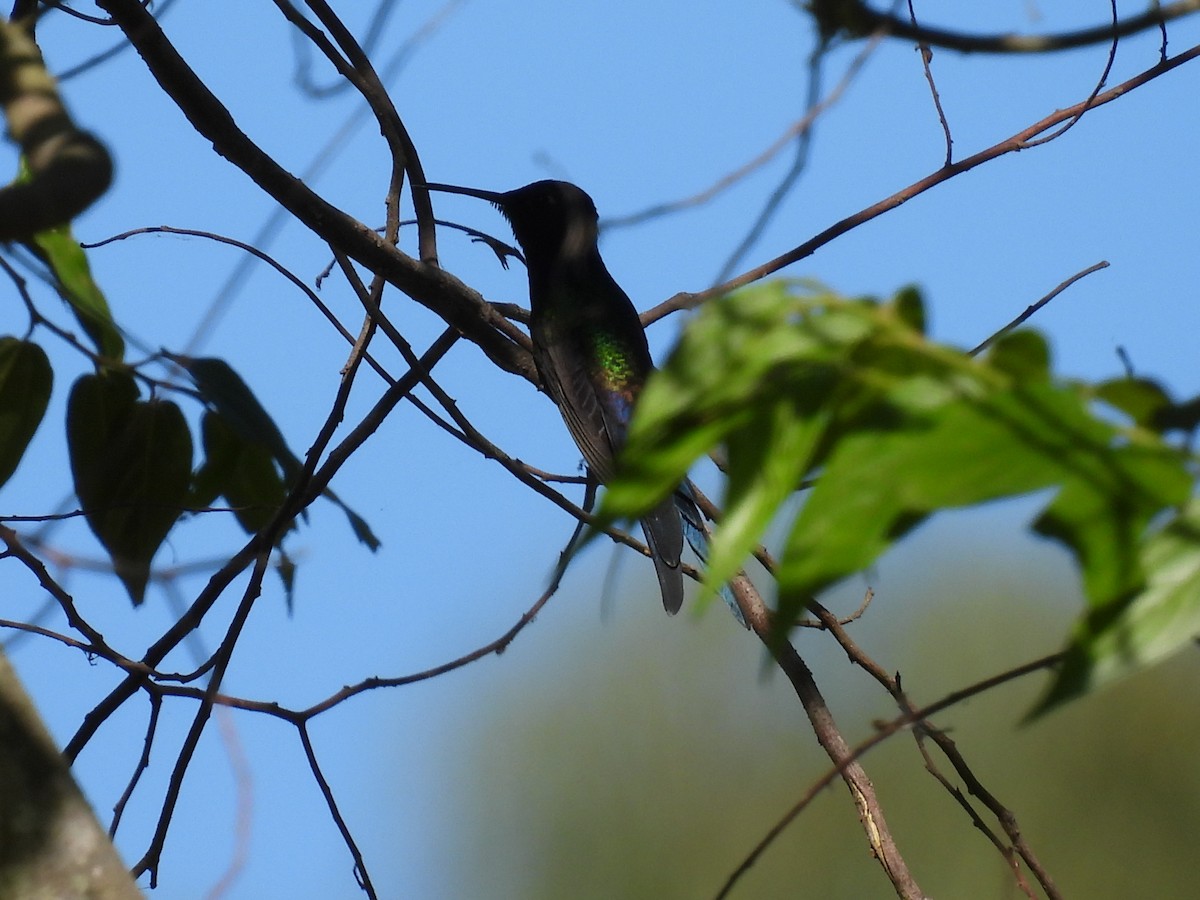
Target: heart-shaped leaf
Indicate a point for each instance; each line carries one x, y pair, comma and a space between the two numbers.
132, 462
25, 381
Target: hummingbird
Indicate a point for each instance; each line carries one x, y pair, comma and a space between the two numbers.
589, 346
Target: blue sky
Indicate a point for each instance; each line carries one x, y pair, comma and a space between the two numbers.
639, 104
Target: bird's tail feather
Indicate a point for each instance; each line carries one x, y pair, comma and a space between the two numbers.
664, 530
695, 529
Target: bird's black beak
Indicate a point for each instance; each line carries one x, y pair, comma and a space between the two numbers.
490, 196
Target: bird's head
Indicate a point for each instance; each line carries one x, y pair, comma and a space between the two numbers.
553, 221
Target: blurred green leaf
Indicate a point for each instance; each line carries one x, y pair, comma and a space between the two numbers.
766, 461
1103, 510
882, 481
358, 524
69, 264
131, 462
797, 384
25, 382
1184, 416
1022, 353
910, 306
711, 385
1139, 398
1120, 638
1149, 405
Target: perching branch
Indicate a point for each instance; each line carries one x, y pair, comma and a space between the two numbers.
457, 304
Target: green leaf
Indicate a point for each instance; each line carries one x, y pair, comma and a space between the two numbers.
880, 482
767, 459
98, 409
803, 387
1022, 354
131, 462
910, 306
1183, 416
25, 382
1139, 398
242, 471
224, 390
70, 267
1117, 640
1102, 512
285, 566
778, 378
709, 388
358, 524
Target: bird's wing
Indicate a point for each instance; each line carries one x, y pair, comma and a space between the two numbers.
593, 416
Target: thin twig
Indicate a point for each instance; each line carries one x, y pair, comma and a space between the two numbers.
761, 621
143, 763
360, 866
446, 296
1013, 144
893, 727
892, 684
1086, 105
774, 202
294, 279
926, 57
1033, 308
222, 578
149, 862
725, 182
1154, 17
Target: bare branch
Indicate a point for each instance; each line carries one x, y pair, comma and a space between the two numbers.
926, 58
1019, 141
798, 128
1030, 310
894, 727
442, 293
866, 20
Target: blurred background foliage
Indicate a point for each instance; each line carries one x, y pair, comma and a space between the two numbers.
639, 764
